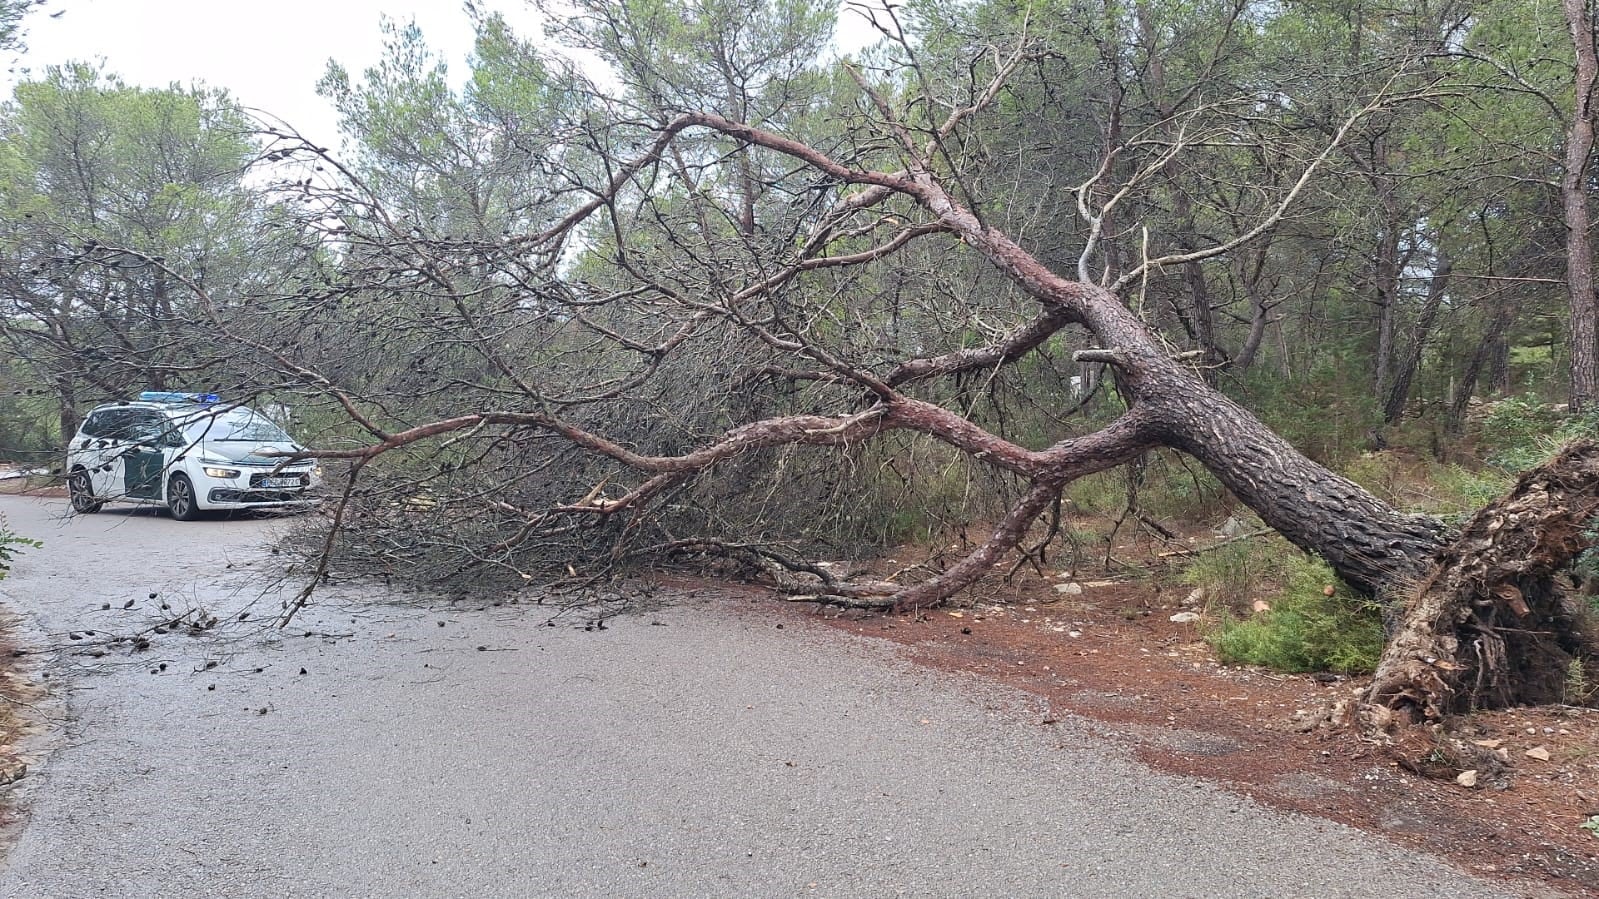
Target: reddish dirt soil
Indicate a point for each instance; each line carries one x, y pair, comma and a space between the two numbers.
1112, 656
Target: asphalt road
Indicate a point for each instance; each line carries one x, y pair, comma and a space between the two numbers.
694, 750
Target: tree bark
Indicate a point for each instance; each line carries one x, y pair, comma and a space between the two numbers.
1574, 205
1250, 267
1372, 546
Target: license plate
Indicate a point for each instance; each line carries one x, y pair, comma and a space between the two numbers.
280, 482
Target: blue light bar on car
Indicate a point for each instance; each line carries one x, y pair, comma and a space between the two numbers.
172, 396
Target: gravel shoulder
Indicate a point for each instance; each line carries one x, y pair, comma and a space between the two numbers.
708, 747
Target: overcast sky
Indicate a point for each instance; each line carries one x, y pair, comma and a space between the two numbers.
268, 54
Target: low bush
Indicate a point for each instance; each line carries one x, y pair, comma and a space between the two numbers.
10, 543
1305, 628
1520, 432
1343, 416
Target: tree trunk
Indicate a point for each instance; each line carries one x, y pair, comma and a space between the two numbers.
1250, 267
1204, 316
1386, 269
1372, 546
67, 417
1488, 347
1259, 318
1499, 364
1574, 204
1399, 392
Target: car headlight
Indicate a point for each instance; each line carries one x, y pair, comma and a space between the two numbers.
223, 473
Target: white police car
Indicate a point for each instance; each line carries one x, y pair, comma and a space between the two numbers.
188, 451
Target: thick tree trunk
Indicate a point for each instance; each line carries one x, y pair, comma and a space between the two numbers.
1494, 624
1373, 547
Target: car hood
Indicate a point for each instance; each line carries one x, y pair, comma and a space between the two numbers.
248, 452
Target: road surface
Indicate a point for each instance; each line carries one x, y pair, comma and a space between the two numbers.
415, 749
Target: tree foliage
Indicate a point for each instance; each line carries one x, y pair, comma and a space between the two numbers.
107, 191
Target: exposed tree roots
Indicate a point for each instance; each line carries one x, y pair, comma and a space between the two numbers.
1496, 622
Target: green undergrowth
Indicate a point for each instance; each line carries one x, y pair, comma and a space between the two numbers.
10, 543
1304, 630
1520, 432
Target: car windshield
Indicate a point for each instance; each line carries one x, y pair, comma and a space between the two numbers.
235, 425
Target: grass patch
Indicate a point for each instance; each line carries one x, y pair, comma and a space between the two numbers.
1234, 575
1305, 629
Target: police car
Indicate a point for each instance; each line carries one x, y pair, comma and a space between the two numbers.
188, 451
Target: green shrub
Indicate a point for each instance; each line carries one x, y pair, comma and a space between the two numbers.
1168, 487
9, 544
1378, 472
1522, 431
28, 427
1103, 493
1419, 484
1306, 630
1464, 490
1177, 490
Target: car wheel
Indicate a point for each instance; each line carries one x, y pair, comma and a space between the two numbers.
81, 491
181, 501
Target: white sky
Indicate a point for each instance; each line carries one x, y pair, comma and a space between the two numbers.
269, 55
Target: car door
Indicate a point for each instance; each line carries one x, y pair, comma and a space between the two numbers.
87, 447
102, 451
144, 462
